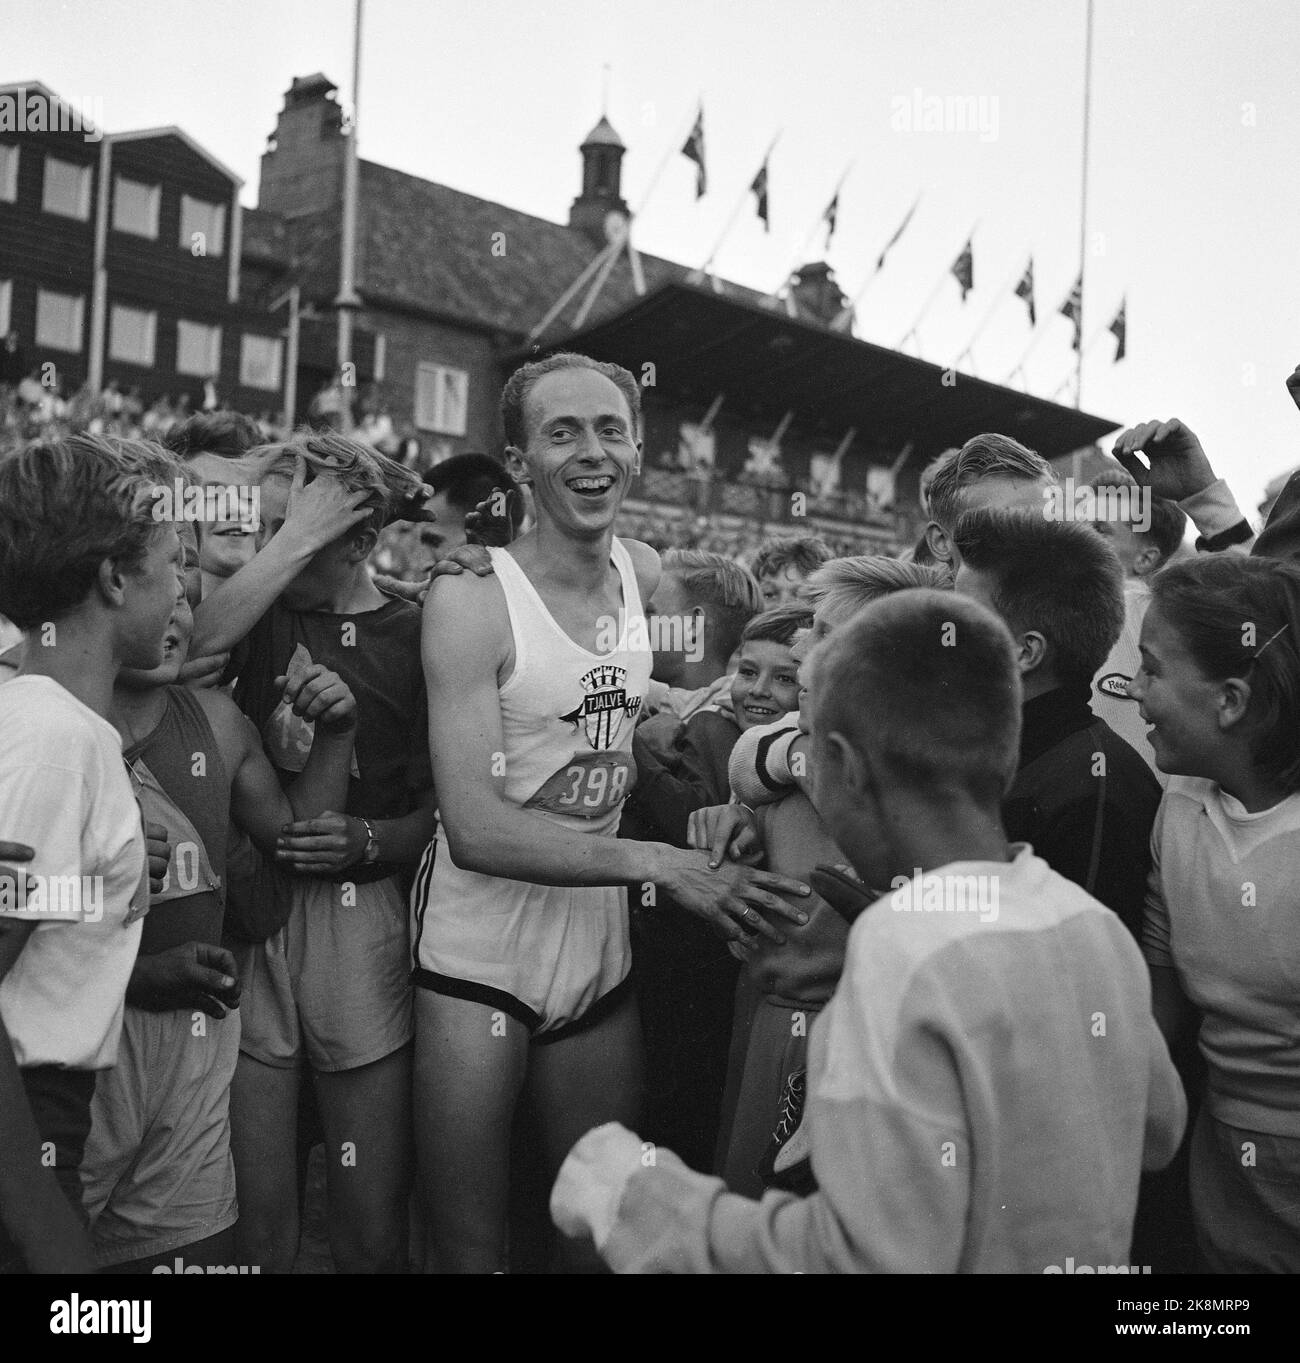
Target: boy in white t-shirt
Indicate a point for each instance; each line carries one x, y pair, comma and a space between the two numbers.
90, 574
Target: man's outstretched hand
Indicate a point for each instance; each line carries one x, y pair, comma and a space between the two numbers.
1176, 466
737, 900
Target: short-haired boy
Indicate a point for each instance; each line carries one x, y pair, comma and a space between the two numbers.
91, 576
987, 1083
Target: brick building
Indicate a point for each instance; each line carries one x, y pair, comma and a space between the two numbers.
119, 260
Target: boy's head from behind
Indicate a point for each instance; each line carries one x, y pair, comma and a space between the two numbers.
1056, 584
766, 685
915, 700
357, 468
459, 484
702, 603
838, 590
79, 538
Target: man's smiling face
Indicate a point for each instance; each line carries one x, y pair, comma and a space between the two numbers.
582, 449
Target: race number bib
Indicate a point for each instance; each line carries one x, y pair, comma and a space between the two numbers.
588, 786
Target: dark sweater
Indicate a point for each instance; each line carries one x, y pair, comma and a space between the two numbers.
663, 800
1084, 800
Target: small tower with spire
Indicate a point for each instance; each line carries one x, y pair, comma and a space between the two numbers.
602, 172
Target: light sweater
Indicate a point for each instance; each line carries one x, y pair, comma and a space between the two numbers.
1223, 911
984, 1090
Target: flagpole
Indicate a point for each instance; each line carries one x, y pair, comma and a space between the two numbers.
697, 275
673, 150
802, 257
998, 300
934, 293
1083, 196
841, 322
1072, 371
348, 301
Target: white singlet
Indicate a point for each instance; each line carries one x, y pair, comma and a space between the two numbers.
544, 954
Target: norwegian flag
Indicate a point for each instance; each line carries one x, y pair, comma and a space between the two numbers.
1073, 309
963, 269
1025, 290
694, 151
1119, 329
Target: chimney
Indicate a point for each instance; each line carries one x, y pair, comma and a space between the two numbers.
302, 167
602, 171
816, 293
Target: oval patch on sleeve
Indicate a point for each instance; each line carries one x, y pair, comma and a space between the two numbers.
1115, 684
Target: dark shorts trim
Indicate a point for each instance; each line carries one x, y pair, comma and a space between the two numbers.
473, 992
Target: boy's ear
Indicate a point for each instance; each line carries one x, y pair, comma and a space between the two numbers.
846, 765
1031, 651
361, 544
940, 546
636, 463
111, 581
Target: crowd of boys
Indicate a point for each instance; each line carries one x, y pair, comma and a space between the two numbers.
868, 914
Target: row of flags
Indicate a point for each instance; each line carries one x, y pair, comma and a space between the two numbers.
693, 150
962, 269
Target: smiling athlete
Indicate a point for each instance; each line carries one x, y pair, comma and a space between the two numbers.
521, 929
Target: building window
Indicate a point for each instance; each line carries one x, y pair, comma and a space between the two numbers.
8, 174
381, 357
131, 334
441, 399
135, 207
59, 318
198, 349
67, 189
6, 304
203, 225
260, 359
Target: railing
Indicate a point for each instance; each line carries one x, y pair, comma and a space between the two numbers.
706, 494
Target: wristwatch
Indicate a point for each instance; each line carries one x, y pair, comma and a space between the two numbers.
371, 854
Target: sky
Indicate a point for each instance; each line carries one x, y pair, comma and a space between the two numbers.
1193, 199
